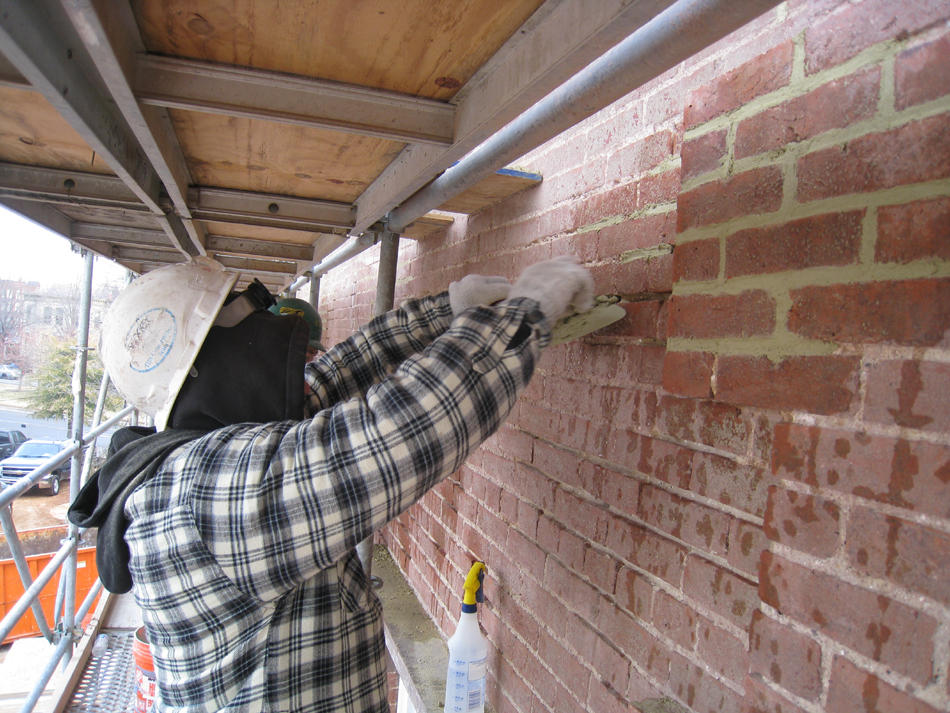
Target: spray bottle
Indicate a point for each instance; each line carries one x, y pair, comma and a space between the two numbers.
468, 651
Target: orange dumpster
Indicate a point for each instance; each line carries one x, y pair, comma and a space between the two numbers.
11, 589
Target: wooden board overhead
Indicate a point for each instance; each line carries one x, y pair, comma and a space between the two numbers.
266, 157
426, 48
32, 133
295, 124
497, 187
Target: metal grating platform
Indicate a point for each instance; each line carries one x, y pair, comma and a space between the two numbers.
108, 683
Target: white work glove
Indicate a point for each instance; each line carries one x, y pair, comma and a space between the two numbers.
561, 286
477, 291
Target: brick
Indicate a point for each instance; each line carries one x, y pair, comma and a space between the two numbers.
527, 554
759, 698
658, 189
856, 27
921, 73
703, 154
603, 698
913, 231
643, 232
696, 525
711, 423
696, 261
817, 384
852, 690
913, 153
753, 192
903, 312
910, 394
722, 651
722, 591
911, 556
618, 489
867, 622
566, 667
675, 620
834, 105
806, 523
699, 690
634, 593
688, 374
746, 544
640, 156
647, 550
907, 474
761, 76
782, 655
662, 460
748, 314
833, 239
721, 479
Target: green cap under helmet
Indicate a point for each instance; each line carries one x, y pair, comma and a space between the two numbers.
301, 308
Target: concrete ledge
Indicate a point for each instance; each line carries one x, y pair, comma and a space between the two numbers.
417, 649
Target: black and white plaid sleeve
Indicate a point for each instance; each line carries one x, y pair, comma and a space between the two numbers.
351, 367
333, 480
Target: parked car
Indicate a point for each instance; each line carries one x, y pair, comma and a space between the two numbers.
9, 442
28, 457
10, 371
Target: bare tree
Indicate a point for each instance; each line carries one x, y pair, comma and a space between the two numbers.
11, 317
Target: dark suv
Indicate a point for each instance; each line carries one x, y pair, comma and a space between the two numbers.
28, 457
9, 442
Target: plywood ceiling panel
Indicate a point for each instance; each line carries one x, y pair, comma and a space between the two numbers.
262, 156
422, 47
32, 133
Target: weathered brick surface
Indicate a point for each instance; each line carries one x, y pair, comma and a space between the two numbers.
753, 192
835, 105
688, 374
725, 593
747, 314
910, 394
855, 691
759, 698
910, 555
913, 153
820, 384
904, 312
805, 523
922, 74
914, 231
907, 474
858, 26
764, 74
698, 260
867, 622
824, 240
784, 656
703, 154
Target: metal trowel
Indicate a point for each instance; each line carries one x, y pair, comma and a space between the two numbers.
606, 311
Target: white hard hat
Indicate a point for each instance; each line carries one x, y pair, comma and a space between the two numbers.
155, 328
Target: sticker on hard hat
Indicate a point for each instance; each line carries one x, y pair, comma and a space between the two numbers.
150, 339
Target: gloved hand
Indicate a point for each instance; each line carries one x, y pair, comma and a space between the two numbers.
561, 286
477, 291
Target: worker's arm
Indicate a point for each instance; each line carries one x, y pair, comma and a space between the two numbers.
332, 481
351, 367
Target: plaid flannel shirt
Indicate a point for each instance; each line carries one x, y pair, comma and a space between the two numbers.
242, 544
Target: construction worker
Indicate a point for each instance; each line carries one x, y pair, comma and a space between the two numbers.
307, 312
235, 524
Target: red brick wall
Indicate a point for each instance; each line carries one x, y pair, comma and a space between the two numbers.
739, 497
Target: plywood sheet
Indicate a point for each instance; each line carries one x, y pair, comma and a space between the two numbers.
422, 47
34, 134
497, 187
426, 225
263, 156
